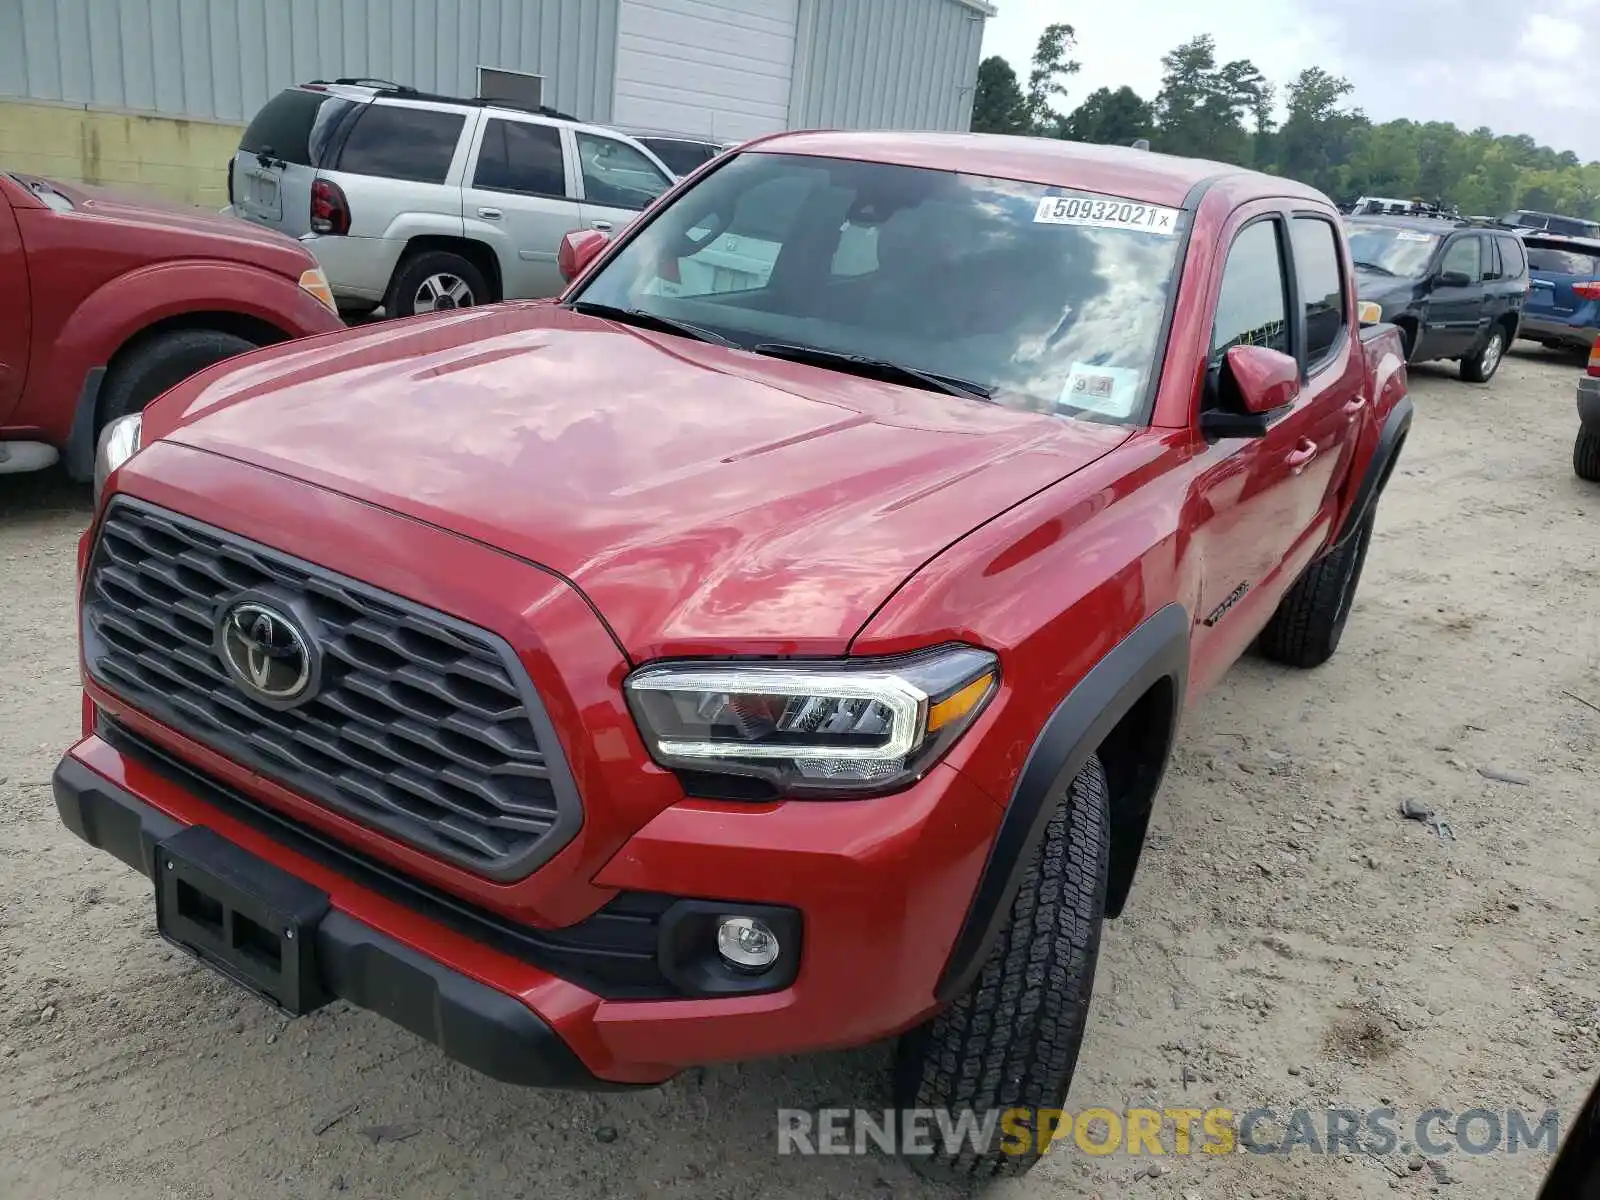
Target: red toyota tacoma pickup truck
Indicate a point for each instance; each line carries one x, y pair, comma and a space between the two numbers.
773, 644
109, 301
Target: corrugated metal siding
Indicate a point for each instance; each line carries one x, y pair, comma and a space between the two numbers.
888, 64
717, 68
223, 59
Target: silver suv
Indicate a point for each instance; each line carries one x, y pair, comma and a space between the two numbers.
420, 202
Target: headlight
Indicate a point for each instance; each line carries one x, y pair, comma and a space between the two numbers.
119, 441
818, 728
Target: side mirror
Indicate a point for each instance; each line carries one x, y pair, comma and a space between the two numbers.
1251, 383
1452, 279
578, 249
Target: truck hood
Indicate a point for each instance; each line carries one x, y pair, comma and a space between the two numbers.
203, 232
705, 500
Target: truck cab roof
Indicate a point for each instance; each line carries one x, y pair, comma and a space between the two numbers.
1110, 170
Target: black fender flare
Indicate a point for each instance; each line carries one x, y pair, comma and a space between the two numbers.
1158, 649
1379, 467
81, 447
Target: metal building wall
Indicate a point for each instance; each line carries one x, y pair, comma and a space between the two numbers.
886, 64
223, 59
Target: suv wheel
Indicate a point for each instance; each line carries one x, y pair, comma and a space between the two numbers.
1309, 621
435, 281
1012, 1040
1586, 455
1480, 367
161, 361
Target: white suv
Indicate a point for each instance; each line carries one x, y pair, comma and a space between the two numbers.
420, 202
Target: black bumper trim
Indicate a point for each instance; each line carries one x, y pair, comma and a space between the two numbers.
611, 953
487, 1030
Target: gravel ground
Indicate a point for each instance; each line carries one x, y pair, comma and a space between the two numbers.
1291, 940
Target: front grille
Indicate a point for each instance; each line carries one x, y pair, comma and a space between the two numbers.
422, 727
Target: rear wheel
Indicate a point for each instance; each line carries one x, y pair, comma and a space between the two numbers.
1012, 1040
1586, 455
435, 281
1310, 619
161, 361
1481, 366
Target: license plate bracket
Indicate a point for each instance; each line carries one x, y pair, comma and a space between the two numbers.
243, 917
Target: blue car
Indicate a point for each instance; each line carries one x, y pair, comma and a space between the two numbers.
1563, 308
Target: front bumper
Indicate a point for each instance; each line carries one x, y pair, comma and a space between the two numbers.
525, 1005
1589, 402
1538, 328
476, 1025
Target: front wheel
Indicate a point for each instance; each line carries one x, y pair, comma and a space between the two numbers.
1480, 367
1586, 456
161, 361
1012, 1040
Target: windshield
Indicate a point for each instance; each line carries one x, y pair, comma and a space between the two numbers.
1391, 250
1049, 300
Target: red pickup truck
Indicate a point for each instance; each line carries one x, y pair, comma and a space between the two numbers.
773, 644
109, 301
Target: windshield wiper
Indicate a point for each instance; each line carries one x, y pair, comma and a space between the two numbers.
1366, 266
638, 316
882, 368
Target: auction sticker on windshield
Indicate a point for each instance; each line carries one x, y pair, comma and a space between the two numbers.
1105, 213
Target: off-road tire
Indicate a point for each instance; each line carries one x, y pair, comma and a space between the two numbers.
159, 362
1586, 455
1480, 366
1012, 1040
413, 271
1306, 628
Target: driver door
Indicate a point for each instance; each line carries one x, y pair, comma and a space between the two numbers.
1454, 312
616, 181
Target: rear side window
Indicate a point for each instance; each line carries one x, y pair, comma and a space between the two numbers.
1513, 263
1316, 267
394, 141
1253, 306
295, 126
1491, 259
519, 156
1562, 260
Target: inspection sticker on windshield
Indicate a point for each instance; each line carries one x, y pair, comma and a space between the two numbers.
1405, 235
1109, 391
1107, 214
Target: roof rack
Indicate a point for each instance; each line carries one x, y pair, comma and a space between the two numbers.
411, 93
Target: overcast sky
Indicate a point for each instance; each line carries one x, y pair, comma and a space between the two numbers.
1525, 67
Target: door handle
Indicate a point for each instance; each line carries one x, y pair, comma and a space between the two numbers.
602, 226
1301, 455
490, 214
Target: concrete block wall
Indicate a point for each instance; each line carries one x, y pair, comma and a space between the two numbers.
179, 159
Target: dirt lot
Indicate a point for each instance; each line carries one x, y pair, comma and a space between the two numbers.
1291, 941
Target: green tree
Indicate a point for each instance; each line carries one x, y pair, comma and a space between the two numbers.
1201, 107
998, 105
1112, 118
1047, 78
1318, 137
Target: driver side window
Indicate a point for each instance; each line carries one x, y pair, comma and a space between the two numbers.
616, 175
1253, 306
1465, 254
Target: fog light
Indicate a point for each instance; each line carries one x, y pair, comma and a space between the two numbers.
747, 943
